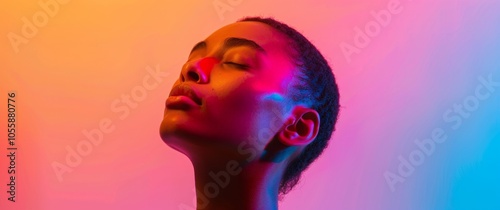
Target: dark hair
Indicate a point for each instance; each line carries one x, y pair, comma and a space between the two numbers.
315, 86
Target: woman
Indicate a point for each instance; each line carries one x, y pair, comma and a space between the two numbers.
254, 105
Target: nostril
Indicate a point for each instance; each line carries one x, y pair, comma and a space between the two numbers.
193, 76
182, 78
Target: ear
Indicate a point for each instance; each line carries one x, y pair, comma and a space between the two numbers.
301, 128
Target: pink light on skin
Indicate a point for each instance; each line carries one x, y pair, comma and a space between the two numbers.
206, 65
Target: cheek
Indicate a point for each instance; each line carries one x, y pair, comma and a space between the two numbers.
234, 105
233, 98
241, 109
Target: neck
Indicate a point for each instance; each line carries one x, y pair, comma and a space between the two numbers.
236, 186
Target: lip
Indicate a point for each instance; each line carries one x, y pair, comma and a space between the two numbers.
183, 96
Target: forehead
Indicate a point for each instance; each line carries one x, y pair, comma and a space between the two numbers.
267, 37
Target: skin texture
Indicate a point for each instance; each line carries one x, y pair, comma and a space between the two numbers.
244, 130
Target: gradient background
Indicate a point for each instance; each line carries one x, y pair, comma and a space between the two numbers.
394, 91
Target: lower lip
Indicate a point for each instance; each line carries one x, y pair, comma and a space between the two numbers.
180, 102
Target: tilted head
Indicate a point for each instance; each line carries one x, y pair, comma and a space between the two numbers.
254, 83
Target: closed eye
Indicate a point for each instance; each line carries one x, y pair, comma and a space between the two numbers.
240, 66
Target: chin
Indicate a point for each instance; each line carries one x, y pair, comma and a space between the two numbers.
175, 130
173, 126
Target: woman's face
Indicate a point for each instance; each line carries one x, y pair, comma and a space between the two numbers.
232, 89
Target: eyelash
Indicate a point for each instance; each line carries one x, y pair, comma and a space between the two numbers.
241, 66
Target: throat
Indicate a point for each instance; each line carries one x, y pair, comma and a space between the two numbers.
237, 186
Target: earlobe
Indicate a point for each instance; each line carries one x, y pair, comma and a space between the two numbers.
302, 127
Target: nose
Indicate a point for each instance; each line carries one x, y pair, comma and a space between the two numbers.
199, 71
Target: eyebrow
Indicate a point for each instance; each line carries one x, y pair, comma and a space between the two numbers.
229, 43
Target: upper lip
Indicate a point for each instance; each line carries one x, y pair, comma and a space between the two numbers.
186, 90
